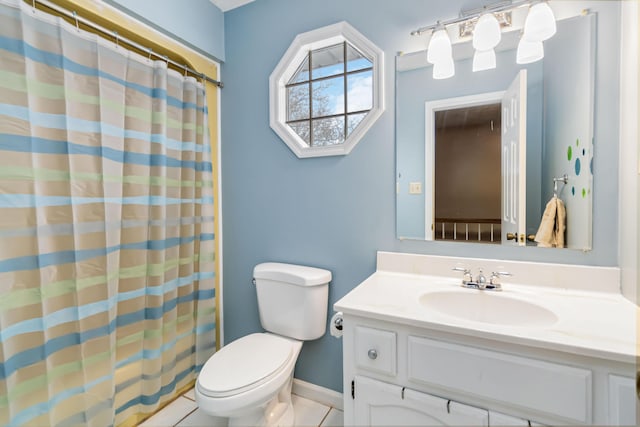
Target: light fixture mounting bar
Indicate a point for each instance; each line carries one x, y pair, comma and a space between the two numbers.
466, 27
474, 14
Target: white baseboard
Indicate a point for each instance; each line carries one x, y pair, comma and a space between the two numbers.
317, 393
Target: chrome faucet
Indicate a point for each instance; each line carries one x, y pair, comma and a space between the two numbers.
481, 281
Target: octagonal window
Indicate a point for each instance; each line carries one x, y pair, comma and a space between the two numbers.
326, 91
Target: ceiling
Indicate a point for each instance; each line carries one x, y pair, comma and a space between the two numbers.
225, 5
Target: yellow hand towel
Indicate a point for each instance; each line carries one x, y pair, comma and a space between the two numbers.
552, 226
561, 223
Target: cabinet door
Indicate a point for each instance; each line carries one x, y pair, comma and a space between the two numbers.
622, 401
381, 404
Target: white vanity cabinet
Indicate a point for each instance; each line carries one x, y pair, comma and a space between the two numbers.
402, 375
558, 348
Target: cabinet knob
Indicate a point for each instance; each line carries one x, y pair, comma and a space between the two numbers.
373, 354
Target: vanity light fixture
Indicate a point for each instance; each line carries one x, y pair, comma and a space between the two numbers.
486, 25
439, 46
487, 33
529, 51
484, 60
444, 69
440, 54
486, 36
540, 24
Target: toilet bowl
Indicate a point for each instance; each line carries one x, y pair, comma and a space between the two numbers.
249, 380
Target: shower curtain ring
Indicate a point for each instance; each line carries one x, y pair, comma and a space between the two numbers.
115, 34
75, 16
150, 52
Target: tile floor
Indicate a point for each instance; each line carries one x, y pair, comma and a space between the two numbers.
183, 412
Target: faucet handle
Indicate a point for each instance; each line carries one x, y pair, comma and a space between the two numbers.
466, 274
494, 281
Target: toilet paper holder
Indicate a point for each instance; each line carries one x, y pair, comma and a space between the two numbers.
337, 322
336, 325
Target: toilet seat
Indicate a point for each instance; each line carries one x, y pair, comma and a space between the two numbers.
245, 364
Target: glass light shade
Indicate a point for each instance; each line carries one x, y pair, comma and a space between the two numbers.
444, 69
529, 51
540, 24
486, 34
484, 60
439, 47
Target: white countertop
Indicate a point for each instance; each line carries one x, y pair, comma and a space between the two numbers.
590, 323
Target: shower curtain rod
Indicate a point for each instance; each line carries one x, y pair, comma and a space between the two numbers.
73, 15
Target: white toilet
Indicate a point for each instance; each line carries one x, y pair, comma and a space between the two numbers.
249, 380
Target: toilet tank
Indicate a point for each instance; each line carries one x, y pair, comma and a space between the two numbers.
292, 299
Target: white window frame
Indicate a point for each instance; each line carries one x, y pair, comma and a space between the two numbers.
289, 64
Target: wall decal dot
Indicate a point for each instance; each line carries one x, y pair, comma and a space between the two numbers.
577, 142
573, 191
577, 167
591, 166
584, 193
583, 151
569, 153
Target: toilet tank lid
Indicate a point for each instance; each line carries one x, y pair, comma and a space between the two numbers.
290, 273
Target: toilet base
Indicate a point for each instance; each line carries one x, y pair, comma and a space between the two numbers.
276, 413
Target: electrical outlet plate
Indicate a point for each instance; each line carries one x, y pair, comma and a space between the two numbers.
415, 188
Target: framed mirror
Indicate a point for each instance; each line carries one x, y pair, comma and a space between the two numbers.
460, 177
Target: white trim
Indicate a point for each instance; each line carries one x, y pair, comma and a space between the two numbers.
288, 65
318, 394
629, 170
430, 108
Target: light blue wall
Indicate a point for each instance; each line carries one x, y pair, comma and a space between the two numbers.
197, 23
337, 212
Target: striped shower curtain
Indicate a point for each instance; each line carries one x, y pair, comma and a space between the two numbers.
107, 297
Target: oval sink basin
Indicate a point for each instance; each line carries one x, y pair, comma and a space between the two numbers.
488, 307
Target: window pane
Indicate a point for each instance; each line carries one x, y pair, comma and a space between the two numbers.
302, 74
353, 121
328, 97
302, 129
328, 131
298, 102
360, 91
327, 61
356, 60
